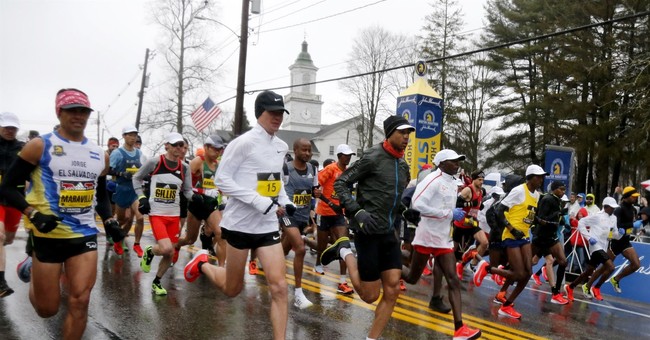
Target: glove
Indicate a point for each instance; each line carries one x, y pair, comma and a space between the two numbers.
518, 234
211, 193
143, 205
367, 224
621, 231
290, 209
44, 223
111, 186
112, 228
411, 215
459, 214
126, 175
592, 241
637, 224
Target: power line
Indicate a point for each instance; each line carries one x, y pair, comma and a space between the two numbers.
288, 14
463, 54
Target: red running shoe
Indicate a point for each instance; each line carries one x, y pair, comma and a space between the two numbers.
402, 285
595, 292
500, 298
510, 312
569, 292
544, 275
535, 277
459, 270
344, 289
481, 272
138, 250
191, 270
117, 247
558, 299
466, 333
252, 267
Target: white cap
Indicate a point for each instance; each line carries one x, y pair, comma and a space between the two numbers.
535, 170
8, 119
128, 129
215, 141
564, 198
496, 190
344, 149
174, 138
447, 155
610, 201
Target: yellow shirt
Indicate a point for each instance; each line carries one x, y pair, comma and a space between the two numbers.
522, 208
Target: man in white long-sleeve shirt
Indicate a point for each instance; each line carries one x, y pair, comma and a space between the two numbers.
250, 174
602, 227
435, 199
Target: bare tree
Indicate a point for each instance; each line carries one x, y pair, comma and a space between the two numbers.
374, 50
185, 50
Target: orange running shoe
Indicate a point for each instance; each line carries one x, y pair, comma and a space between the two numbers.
510, 312
595, 292
500, 298
252, 267
402, 285
138, 250
544, 274
535, 278
569, 292
344, 289
459, 270
466, 333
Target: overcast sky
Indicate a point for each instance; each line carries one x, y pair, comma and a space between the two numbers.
98, 46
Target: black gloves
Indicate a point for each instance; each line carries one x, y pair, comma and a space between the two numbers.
518, 234
44, 223
112, 229
367, 224
411, 215
143, 205
290, 209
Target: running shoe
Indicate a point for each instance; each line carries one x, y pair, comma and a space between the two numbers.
138, 250
466, 333
544, 274
301, 302
428, 269
117, 247
617, 286
498, 279
344, 289
24, 269
175, 256
4, 289
252, 267
402, 285
569, 292
558, 299
158, 289
510, 312
318, 269
459, 270
191, 270
595, 292
585, 291
332, 252
469, 254
535, 278
147, 257
438, 305
500, 298
481, 272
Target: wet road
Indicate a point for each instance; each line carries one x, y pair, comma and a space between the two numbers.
123, 307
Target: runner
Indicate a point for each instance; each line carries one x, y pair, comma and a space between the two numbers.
466, 231
301, 185
125, 161
9, 217
516, 212
435, 198
331, 222
601, 225
67, 173
203, 169
169, 180
626, 219
250, 174
381, 176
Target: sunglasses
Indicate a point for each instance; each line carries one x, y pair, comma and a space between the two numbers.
178, 144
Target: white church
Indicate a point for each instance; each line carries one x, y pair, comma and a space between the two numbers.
306, 113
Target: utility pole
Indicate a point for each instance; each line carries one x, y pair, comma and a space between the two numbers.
241, 75
143, 84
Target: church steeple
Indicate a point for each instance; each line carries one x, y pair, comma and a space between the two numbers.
303, 100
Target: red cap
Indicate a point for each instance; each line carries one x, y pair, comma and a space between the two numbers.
71, 98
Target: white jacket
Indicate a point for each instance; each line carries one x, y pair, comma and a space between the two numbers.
253, 155
435, 199
600, 225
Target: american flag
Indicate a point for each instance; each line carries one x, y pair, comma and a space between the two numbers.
205, 114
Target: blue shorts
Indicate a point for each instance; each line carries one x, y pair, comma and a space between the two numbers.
510, 243
124, 196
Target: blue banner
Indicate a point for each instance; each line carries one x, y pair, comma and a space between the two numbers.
635, 285
559, 165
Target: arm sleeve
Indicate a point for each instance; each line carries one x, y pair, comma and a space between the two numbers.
351, 175
425, 199
103, 207
148, 167
14, 179
583, 223
187, 183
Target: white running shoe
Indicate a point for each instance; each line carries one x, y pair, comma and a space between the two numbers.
301, 302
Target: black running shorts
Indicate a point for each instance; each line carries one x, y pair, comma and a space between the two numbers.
58, 250
376, 254
241, 240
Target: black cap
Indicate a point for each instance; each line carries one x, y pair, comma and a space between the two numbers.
393, 123
268, 101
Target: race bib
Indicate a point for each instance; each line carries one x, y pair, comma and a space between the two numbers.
132, 170
268, 184
165, 193
530, 218
208, 183
76, 197
302, 199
